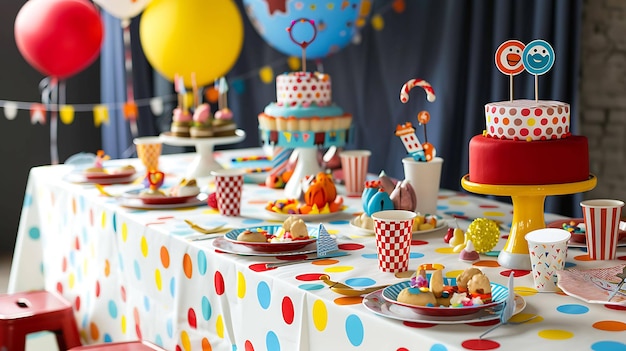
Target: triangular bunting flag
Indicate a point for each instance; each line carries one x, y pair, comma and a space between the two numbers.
287, 136
100, 115
66, 113
37, 114
325, 243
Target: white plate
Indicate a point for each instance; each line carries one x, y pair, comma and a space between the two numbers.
137, 203
376, 303
304, 217
229, 247
591, 285
365, 231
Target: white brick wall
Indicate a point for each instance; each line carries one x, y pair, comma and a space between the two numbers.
603, 95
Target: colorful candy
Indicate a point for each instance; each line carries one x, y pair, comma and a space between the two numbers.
404, 92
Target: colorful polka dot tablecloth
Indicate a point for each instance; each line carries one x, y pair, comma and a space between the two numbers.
142, 273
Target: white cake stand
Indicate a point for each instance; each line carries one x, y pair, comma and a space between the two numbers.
306, 165
204, 162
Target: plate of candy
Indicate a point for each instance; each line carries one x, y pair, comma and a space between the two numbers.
285, 208
271, 238
576, 227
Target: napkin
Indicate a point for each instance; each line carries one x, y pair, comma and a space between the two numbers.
325, 243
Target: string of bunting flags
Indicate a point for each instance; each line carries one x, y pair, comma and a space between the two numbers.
100, 111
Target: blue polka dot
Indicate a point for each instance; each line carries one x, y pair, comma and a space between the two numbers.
137, 269
573, 309
360, 282
114, 221
271, 341
84, 321
416, 255
34, 233
28, 200
252, 221
492, 253
354, 330
442, 207
455, 213
72, 258
370, 256
206, 308
146, 303
181, 232
438, 347
311, 287
608, 346
81, 203
120, 262
172, 286
112, 309
340, 222
84, 234
169, 327
202, 263
107, 338
158, 340
264, 295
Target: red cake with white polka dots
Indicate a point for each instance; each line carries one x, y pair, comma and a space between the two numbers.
528, 142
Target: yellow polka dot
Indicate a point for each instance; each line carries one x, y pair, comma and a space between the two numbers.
453, 274
445, 250
123, 324
103, 219
241, 285
525, 291
320, 315
523, 318
555, 334
459, 202
493, 214
124, 232
337, 269
333, 231
219, 326
71, 278
107, 268
144, 246
266, 74
531, 122
157, 280
293, 62
184, 339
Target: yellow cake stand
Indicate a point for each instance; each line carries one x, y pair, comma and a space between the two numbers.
528, 212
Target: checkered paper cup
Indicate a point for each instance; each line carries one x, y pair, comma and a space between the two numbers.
547, 248
354, 165
393, 239
228, 188
149, 151
602, 217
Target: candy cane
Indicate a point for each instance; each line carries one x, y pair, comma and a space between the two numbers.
404, 92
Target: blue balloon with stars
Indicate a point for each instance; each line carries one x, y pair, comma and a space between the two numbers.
335, 21
538, 57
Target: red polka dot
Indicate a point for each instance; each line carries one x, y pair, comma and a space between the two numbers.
292, 258
516, 272
288, 311
616, 307
488, 206
191, 318
138, 331
495, 120
543, 121
218, 281
493, 109
537, 132
484, 323
523, 132
480, 344
538, 112
309, 277
259, 267
64, 264
248, 346
77, 303
97, 288
123, 293
419, 242
419, 325
502, 110
402, 349
525, 112
351, 246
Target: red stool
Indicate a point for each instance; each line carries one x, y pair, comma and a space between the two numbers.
29, 312
120, 346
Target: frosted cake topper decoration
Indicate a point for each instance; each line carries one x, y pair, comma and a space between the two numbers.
303, 44
538, 58
420, 152
509, 60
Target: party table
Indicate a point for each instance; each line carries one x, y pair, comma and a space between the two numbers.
142, 273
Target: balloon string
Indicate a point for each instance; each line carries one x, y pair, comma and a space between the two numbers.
54, 97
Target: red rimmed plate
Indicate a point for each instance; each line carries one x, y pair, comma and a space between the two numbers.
271, 247
158, 200
580, 237
499, 293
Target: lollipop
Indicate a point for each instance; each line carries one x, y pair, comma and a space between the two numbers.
406, 132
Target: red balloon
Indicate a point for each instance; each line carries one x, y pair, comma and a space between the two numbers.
59, 38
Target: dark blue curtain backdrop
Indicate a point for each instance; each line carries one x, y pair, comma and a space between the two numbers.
449, 43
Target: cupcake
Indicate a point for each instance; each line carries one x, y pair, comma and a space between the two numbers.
223, 124
202, 127
181, 122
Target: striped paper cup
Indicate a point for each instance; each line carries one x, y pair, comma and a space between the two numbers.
602, 217
354, 165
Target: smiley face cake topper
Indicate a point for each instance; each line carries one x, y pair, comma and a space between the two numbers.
509, 57
538, 57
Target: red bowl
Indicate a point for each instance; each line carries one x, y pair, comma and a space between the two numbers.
580, 237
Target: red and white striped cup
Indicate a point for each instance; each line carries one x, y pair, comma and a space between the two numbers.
602, 217
393, 230
228, 188
354, 165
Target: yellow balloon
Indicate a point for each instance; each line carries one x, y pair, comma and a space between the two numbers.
192, 36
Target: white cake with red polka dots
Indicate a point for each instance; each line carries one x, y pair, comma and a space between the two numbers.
528, 142
527, 120
304, 103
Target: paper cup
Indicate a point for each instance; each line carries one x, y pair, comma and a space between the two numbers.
228, 188
548, 249
602, 217
393, 239
425, 178
149, 151
354, 165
